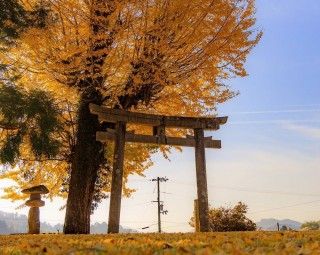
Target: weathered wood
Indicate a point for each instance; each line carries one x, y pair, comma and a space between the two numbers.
114, 115
159, 130
205, 138
160, 133
113, 131
201, 180
196, 216
159, 124
173, 141
117, 177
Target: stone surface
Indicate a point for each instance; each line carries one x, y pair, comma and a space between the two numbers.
35, 203
40, 189
35, 196
34, 220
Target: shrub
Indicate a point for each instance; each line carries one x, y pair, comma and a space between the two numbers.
229, 219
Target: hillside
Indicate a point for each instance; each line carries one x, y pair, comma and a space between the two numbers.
11, 223
271, 224
16, 223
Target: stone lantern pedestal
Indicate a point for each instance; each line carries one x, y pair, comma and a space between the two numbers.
34, 203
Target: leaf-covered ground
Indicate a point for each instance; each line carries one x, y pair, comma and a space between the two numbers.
212, 243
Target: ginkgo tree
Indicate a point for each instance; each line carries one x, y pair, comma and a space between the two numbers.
160, 56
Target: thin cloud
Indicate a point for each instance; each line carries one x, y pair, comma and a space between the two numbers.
275, 111
282, 121
308, 131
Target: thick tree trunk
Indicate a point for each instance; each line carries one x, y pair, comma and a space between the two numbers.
87, 158
89, 154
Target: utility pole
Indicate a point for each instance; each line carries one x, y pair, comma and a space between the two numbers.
158, 201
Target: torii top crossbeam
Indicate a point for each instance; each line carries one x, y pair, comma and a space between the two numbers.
114, 115
159, 124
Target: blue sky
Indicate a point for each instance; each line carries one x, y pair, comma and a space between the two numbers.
271, 144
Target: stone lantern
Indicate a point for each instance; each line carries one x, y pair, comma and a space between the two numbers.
34, 203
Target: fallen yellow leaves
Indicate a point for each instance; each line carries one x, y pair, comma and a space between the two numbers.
200, 243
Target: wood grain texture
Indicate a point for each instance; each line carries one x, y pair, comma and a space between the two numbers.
114, 115
173, 141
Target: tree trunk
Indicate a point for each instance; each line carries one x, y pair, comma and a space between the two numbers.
87, 158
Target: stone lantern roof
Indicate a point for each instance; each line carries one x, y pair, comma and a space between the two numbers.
40, 189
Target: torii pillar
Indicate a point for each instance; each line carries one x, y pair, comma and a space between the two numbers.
202, 189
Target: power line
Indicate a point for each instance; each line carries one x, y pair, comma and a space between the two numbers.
176, 222
244, 189
145, 203
276, 192
154, 189
147, 227
266, 191
146, 222
283, 207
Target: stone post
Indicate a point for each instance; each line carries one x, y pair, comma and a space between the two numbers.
34, 203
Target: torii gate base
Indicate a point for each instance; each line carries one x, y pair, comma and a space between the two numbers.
159, 123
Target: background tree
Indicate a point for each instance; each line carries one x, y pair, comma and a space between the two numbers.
311, 225
28, 118
160, 56
13, 19
229, 219
37, 138
31, 117
4, 227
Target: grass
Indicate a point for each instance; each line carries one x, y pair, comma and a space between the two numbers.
201, 243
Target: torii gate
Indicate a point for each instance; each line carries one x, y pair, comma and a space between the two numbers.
159, 124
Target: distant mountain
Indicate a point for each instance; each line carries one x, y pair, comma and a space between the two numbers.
11, 223
101, 228
271, 224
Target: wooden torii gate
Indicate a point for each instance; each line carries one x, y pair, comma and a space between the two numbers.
159, 124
